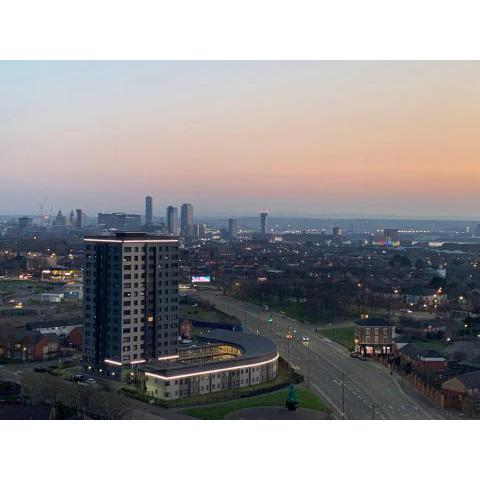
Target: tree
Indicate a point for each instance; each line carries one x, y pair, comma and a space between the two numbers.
438, 282
419, 264
401, 261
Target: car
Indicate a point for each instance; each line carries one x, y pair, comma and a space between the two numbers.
354, 354
86, 381
82, 378
362, 358
40, 369
305, 339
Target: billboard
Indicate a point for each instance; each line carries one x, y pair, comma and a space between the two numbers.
204, 279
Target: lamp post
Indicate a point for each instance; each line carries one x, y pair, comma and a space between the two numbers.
288, 350
270, 321
308, 364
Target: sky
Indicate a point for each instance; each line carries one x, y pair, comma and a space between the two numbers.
234, 138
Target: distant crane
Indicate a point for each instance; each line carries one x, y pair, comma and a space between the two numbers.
44, 214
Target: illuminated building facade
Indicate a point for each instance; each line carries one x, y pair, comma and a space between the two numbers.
373, 336
220, 360
130, 300
58, 274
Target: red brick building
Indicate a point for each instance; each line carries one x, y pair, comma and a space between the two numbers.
373, 336
75, 338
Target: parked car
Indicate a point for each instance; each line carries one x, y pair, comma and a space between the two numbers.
82, 379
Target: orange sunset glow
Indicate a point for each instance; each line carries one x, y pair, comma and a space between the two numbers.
322, 138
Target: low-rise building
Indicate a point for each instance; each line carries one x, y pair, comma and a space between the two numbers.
32, 346
373, 336
60, 327
219, 360
422, 360
460, 387
75, 337
48, 297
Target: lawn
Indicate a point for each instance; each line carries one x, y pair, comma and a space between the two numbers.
306, 399
297, 311
12, 284
191, 312
342, 335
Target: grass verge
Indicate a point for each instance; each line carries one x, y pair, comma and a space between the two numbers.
306, 399
342, 335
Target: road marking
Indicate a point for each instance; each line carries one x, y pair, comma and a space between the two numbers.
329, 400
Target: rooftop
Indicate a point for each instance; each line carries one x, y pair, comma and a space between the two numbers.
129, 237
255, 350
471, 379
374, 322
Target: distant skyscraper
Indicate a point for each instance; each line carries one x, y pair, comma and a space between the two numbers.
196, 231
233, 228
71, 219
263, 222
120, 221
172, 220
148, 211
337, 231
60, 220
129, 317
79, 218
202, 231
186, 221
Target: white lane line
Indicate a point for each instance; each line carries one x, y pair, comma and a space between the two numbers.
328, 399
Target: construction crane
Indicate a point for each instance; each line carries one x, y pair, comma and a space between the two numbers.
44, 214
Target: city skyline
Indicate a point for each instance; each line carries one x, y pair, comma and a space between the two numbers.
320, 138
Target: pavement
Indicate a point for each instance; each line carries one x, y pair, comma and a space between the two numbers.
353, 389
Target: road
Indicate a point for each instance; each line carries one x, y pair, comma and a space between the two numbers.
134, 409
353, 389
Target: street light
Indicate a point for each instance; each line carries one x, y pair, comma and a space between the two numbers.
289, 336
270, 321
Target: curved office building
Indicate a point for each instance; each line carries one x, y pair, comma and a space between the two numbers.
219, 360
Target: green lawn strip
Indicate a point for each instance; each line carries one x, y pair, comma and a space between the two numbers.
342, 335
9, 284
198, 313
306, 399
